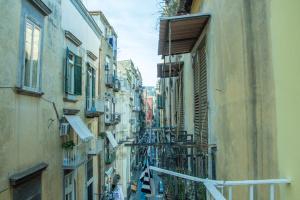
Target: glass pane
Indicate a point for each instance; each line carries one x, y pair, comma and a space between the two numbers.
28, 41
35, 57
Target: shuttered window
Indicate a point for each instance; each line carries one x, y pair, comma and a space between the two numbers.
90, 87
201, 107
78, 76
180, 103
73, 74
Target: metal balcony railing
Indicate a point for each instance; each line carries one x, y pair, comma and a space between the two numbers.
116, 118
109, 80
215, 188
117, 84
94, 107
110, 157
136, 108
95, 146
74, 156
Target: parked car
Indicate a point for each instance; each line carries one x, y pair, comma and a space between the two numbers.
160, 187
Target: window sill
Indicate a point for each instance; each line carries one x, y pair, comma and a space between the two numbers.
20, 90
92, 114
70, 98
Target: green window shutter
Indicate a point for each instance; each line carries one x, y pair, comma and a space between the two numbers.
78, 76
93, 82
66, 71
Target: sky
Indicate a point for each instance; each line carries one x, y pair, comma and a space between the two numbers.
135, 22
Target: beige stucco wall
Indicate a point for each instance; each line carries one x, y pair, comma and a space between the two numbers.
28, 134
241, 90
29, 126
286, 47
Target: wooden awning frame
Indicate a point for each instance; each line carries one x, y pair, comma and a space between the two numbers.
163, 69
185, 31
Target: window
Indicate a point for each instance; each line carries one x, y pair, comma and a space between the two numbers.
31, 67
107, 61
90, 179
69, 187
28, 190
90, 88
73, 74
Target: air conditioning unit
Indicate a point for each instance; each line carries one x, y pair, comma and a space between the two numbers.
108, 119
99, 105
64, 129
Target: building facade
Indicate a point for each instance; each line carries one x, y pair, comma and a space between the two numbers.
128, 130
236, 90
109, 86
53, 99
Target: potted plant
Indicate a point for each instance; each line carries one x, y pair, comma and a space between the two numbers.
102, 135
68, 145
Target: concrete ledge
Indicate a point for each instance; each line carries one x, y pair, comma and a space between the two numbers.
25, 175
21, 90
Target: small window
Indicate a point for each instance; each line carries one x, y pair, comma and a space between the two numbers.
31, 67
90, 88
107, 61
73, 74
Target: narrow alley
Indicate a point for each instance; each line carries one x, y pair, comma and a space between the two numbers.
149, 100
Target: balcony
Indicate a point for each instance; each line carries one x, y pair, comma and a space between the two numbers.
109, 80
95, 146
74, 155
110, 157
160, 102
116, 118
136, 108
108, 120
94, 107
117, 85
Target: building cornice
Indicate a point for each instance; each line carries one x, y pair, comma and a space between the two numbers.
72, 38
41, 6
87, 17
91, 55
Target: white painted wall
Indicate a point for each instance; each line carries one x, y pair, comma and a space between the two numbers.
83, 32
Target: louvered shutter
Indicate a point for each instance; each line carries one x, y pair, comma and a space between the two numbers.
66, 71
180, 102
201, 107
78, 76
93, 82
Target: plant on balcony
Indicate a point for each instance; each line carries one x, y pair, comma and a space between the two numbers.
68, 145
102, 135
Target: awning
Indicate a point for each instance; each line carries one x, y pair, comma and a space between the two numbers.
112, 139
185, 31
79, 127
163, 70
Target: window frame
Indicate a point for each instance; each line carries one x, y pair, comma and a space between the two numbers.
37, 25
73, 87
90, 86
71, 73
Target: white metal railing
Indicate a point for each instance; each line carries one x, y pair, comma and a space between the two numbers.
215, 188
75, 156
95, 146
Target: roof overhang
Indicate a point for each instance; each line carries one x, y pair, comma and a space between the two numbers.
185, 31
163, 70
79, 127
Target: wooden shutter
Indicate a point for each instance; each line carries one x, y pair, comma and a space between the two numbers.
78, 76
203, 96
180, 102
66, 71
201, 107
